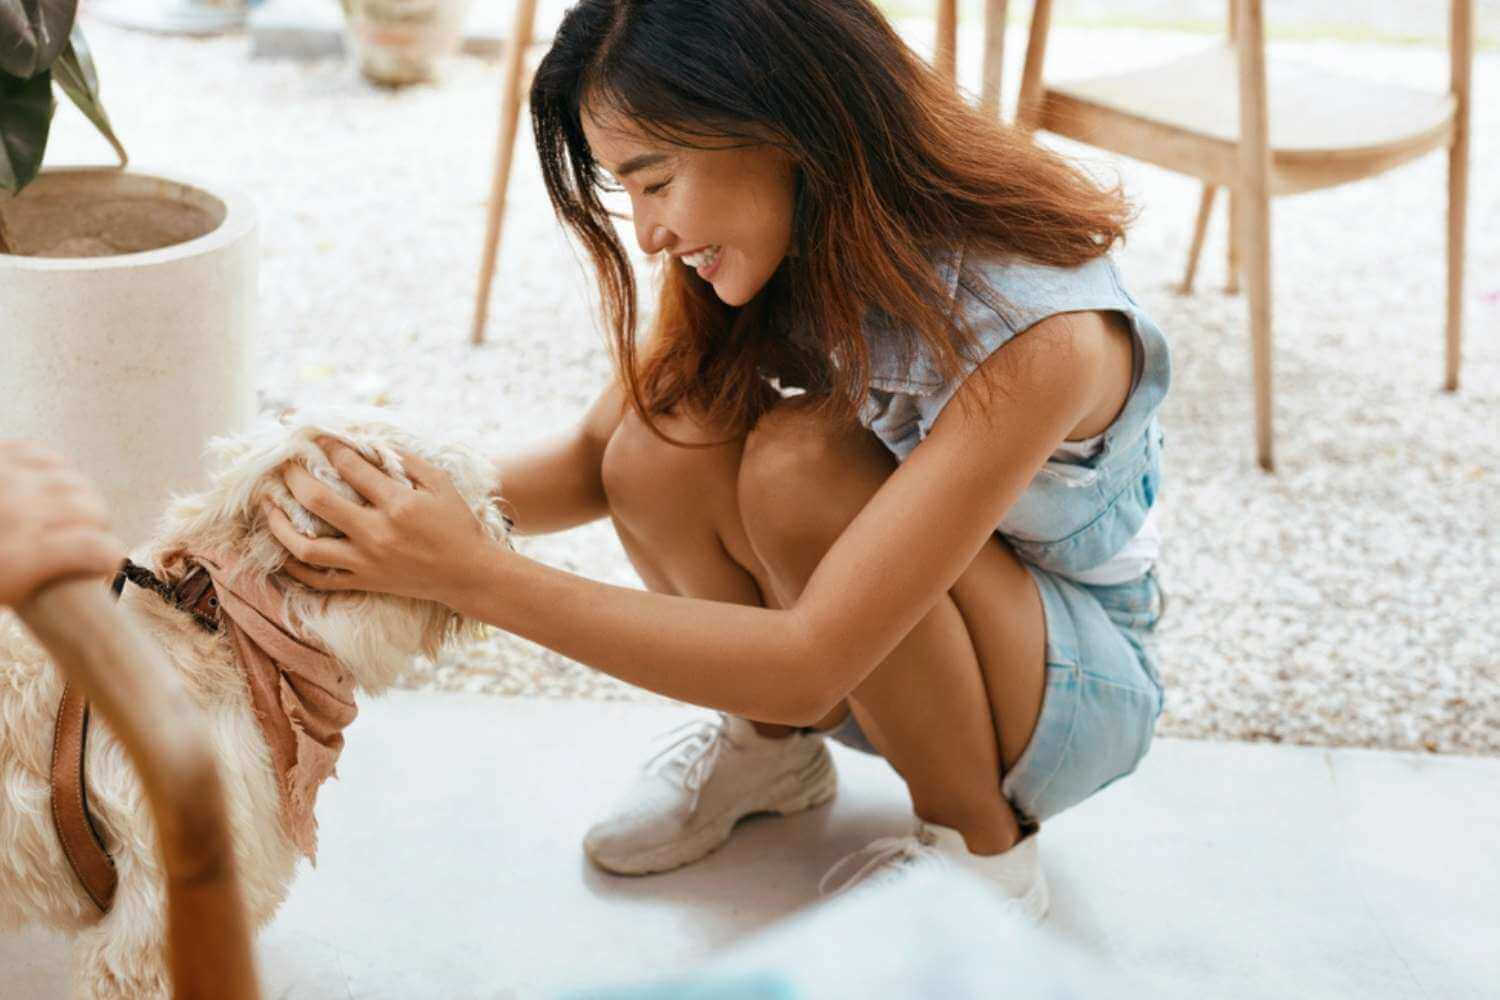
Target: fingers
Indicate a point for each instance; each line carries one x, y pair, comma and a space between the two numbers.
52, 498
316, 554
317, 578
83, 551
368, 481
25, 453
73, 494
345, 515
422, 471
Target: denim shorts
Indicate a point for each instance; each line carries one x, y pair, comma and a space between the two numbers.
1101, 701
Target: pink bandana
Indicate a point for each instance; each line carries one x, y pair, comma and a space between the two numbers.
302, 697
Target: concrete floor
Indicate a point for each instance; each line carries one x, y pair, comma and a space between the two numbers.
450, 866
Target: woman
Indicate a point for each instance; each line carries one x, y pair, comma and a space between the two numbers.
831, 218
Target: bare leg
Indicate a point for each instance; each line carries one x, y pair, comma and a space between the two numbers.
676, 511
959, 698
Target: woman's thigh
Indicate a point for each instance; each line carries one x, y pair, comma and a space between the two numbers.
802, 485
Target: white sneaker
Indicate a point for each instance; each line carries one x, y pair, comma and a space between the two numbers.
1016, 873
694, 790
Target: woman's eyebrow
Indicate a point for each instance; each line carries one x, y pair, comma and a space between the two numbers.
641, 162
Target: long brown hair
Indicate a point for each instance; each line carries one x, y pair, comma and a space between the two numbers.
892, 166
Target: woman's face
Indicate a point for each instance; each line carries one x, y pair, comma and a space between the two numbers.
724, 212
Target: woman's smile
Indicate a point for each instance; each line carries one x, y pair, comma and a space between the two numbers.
705, 261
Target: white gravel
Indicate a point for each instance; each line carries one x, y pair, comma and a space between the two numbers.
1348, 600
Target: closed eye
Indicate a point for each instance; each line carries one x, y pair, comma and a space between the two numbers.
656, 188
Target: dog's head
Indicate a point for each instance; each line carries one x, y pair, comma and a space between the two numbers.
373, 635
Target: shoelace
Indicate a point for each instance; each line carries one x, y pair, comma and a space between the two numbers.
697, 749
907, 849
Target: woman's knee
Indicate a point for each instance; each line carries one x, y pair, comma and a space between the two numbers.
646, 478
803, 476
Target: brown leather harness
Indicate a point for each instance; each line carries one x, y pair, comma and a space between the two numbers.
80, 839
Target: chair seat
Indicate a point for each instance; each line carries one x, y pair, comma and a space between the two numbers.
1184, 115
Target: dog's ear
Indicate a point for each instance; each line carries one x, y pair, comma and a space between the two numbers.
172, 562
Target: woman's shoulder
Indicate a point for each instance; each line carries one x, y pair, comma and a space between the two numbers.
982, 286
996, 297
1020, 292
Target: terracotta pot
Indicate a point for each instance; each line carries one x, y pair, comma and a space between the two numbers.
399, 42
129, 315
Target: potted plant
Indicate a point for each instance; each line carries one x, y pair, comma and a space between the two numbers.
397, 42
128, 296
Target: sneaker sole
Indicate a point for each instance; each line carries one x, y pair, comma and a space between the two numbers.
787, 795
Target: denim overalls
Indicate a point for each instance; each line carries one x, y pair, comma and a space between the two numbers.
1103, 694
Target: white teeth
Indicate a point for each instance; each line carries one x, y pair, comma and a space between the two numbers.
702, 257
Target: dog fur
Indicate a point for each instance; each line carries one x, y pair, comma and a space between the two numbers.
372, 635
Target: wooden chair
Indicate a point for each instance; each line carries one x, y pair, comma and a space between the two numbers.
1303, 128
945, 51
514, 89
99, 649
513, 92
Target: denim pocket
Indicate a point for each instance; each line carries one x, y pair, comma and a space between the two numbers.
1110, 729
1135, 604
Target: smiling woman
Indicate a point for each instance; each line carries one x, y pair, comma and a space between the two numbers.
967, 589
723, 211
813, 134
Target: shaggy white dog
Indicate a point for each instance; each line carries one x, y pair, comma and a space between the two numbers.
373, 636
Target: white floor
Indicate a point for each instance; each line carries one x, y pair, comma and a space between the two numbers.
450, 866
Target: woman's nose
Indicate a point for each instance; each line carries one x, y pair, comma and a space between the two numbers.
652, 237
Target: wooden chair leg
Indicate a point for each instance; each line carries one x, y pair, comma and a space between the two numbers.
1462, 45
1029, 102
1232, 249
1258, 278
1458, 200
1253, 191
945, 46
994, 55
109, 659
510, 117
1205, 207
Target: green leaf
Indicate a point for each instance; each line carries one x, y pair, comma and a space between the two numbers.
25, 119
33, 34
75, 74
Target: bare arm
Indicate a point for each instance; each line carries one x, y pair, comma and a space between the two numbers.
876, 582
789, 666
556, 485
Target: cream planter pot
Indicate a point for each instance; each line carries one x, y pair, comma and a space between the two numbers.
126, 322
398, 42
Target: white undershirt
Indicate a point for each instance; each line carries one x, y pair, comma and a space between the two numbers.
1142, 551
1139, 554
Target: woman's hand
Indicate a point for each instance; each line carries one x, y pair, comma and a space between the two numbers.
53, 523
418, 541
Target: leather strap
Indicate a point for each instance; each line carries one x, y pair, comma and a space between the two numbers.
76, 832
70, 811
195, 594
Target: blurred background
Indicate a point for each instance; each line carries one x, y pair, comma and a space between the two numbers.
1346, 600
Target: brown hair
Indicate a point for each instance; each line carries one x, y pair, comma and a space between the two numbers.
892, 165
